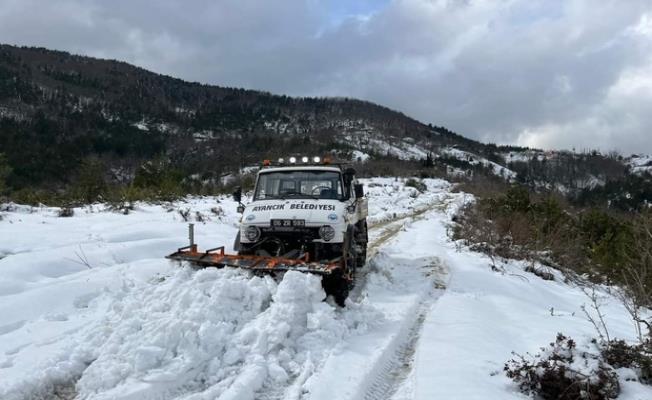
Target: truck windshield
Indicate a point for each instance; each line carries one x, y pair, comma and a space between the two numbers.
299, 184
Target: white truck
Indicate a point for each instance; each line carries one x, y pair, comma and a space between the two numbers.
306, 214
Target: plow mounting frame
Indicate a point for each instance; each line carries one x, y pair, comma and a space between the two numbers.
217, 257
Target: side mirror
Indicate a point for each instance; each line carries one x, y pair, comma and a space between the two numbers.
359, 190
349, 173
237, 194
240, 209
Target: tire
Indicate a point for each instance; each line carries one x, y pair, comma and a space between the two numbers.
341, 292
338, 286
351, 253
361, 239
362, 258
236, 243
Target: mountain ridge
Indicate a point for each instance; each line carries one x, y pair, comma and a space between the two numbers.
102, 105
58, 109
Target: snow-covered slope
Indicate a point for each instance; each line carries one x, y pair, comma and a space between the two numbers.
366, 139
89, 308
640, 163
484, 315
475, 159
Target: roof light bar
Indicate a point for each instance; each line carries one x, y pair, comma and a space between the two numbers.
302, 159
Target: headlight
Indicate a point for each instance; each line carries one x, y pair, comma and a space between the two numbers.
326, 232
252, 233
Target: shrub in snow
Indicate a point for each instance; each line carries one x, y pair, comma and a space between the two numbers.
66, 212
123, 207
540, 272
418, 185
562, 372
185, 214
620, 354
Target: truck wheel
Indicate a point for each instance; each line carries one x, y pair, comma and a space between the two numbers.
341, 292
236, 243
361, 239
362, 257
337, 286
351, 255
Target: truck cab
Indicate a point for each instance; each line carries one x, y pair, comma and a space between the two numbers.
305, 207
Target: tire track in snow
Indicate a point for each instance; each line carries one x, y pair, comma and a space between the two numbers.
398, 364
385, 361
386, 231
390, 228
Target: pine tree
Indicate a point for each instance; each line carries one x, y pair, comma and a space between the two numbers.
91, 185
5, 170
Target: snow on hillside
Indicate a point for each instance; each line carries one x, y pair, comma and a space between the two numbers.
640, 163
359, 156
89, 308
524, 156
474, 159
483, 315
142, 125
366, 140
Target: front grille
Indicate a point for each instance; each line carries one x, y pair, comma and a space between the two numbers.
307, 233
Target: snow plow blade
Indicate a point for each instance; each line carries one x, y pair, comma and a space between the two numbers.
216, 257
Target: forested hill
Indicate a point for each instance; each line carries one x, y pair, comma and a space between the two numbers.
57, 108
66, 118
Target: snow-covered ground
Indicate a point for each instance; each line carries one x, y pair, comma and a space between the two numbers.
640, 163
89, 308
366, 140
524, 155
475, 159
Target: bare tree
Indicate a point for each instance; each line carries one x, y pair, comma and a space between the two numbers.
637, 272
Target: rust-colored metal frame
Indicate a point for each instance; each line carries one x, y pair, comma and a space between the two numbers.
216, 257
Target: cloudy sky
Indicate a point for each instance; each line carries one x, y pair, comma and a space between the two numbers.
542, 73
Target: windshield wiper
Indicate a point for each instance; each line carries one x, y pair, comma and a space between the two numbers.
297, 194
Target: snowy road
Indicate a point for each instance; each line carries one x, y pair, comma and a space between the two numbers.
90, 310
